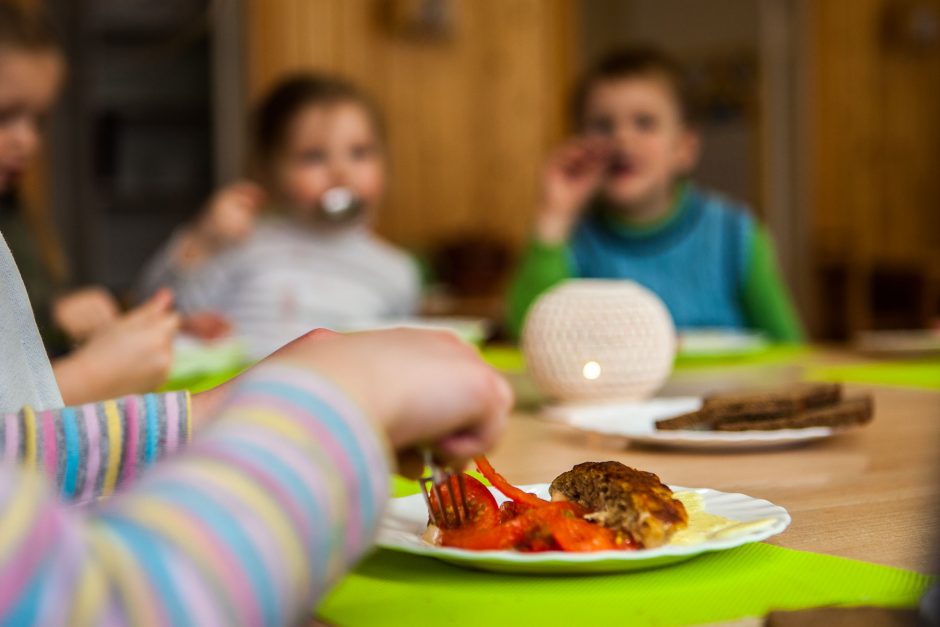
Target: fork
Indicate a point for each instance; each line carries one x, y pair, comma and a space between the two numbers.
432, 482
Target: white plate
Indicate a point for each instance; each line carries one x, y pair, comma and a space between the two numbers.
406, 520
470, 330
636, 422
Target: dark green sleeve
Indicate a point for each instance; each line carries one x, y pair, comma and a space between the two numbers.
542, 267
766, 300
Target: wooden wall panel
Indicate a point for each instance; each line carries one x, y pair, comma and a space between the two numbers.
469, 117
875, 113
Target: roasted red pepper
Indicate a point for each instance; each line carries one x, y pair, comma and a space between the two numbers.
499, 482
525, 523
482, 509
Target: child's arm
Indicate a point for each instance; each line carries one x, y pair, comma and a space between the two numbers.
571, 174
765, 298
270, 505
249, 526
91, 450
183, 264
542, 267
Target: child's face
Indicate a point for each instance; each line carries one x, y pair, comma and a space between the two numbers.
330, 146
28, 85
652, 145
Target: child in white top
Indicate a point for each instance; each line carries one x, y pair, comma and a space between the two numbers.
277, 273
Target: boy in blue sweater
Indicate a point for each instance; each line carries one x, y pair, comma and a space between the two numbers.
616, 204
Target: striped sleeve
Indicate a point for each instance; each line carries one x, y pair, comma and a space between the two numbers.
249, 525
91, 450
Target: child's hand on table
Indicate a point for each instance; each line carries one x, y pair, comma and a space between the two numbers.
572, 173
229, 218
423, 388
83, 312
133, 355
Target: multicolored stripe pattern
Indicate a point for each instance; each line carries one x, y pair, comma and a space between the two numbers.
91, 450
250, 524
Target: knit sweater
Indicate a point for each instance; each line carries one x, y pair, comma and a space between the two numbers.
286, 279
709, 261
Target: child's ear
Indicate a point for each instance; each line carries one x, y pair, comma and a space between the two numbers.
690, 146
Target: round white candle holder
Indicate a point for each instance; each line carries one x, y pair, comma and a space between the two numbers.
599, 340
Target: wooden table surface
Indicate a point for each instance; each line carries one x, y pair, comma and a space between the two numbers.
872, 494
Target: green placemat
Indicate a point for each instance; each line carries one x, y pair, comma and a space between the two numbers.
772, 354
510, 359
391, 588
924, 374
504, 358
201, 382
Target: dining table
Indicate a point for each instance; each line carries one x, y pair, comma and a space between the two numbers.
870, 494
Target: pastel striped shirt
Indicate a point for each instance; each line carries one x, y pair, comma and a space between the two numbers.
250, 524
91, 450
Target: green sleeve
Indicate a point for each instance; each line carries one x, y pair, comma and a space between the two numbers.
542, 267
766, 300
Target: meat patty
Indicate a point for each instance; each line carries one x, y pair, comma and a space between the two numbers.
624, 499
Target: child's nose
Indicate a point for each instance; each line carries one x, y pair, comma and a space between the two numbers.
340, 173
622, 135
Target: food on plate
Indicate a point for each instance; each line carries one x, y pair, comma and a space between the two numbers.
597, 506
855, 411
704, 526
794, 407
629, 501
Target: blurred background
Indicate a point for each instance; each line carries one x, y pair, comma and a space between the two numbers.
823, 114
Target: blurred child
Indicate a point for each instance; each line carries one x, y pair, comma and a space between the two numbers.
279, 273
121, 354
616, 204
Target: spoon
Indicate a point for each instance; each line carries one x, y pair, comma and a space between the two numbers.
339, 204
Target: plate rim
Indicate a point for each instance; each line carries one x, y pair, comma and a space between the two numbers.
553, 413
782, 521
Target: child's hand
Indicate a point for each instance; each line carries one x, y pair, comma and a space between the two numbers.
230, 214
229, 218
424, 387
421, 387
133, 355
206, 325
84, 312
571, 175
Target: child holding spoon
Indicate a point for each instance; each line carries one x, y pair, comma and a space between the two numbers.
311, 258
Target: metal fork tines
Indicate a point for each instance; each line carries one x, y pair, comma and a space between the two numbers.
451, 509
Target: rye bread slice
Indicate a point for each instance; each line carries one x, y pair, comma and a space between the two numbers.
767, 404
700, 420
851, 412
758, 405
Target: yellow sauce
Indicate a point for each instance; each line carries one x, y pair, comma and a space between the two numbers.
704, 526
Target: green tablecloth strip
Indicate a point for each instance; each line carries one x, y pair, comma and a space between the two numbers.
924, 374
510, 359
504, 358
389, 588
774, 354
203, 381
